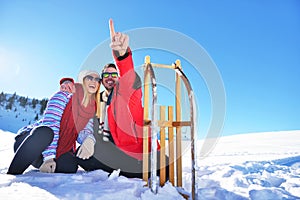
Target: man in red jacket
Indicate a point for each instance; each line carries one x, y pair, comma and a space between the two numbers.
118, 129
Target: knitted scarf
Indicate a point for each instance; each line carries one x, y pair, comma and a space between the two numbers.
74, 119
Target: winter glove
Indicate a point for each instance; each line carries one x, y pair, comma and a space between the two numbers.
119, 41
86, 150
67, 86
48, 166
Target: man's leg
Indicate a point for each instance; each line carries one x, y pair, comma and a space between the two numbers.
108, 157
66, 163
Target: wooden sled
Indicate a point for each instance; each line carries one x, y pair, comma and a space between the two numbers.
156, 121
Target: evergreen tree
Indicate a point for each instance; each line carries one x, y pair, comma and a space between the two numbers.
11, 99
8, 106
36, 117
14, 95
2, 97
23, 101
34, 102
10, 102
43, 105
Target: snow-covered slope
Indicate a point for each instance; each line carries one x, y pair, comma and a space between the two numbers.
256, 166
18, 115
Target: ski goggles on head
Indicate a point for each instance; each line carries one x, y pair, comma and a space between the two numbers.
91, 78
112, 74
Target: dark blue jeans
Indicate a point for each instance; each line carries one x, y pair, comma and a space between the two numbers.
28, 149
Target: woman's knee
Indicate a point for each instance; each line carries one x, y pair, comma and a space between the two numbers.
43, 129
19, 139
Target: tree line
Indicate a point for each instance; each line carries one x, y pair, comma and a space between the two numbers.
9, 101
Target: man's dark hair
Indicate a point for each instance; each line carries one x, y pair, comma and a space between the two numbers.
109, 65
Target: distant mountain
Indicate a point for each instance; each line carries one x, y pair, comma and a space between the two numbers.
18, 111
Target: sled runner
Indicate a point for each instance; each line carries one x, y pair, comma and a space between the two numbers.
155, 125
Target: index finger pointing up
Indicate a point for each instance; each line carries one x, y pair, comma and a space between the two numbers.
111, 29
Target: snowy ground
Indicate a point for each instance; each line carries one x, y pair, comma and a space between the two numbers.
256, 166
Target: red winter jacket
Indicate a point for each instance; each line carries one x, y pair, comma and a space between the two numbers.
125, 112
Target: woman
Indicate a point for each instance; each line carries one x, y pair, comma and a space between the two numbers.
50, 143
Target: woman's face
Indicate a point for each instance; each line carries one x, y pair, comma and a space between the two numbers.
91, 83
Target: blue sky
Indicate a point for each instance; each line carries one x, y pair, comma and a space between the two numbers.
254, 44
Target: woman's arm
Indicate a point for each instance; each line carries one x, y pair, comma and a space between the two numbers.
52, 117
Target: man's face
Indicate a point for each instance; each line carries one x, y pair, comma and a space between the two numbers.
110, 78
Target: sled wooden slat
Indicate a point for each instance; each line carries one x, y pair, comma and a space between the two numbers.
179, 157
162, 147
170, 123
145, 154
178, 129
171, 147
